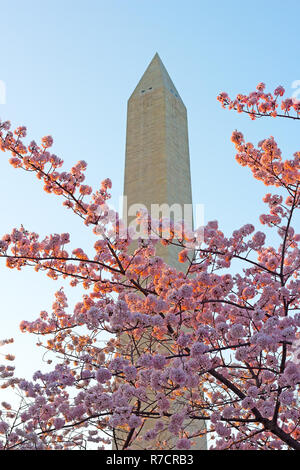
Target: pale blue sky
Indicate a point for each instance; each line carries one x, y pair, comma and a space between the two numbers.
69, 68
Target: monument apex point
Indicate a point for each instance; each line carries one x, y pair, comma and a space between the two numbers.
156, 76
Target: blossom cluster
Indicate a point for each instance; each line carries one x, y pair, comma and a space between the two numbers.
259, 103
194, 351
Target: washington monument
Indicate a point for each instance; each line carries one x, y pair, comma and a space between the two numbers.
157, 165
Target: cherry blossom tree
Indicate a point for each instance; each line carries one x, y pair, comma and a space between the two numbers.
202, 345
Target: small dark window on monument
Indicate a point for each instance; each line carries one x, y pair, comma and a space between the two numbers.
150, 88
143, 91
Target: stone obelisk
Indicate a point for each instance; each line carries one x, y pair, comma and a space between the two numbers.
157, 166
